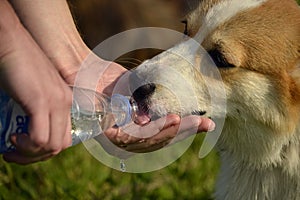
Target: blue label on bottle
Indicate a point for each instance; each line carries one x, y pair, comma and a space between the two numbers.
13, 120
4, 123
22, 123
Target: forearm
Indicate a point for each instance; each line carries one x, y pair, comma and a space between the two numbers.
51, 25
10, 27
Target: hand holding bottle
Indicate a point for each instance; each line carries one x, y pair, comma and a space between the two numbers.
29, 77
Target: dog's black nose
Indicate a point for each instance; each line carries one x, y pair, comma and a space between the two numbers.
144, 92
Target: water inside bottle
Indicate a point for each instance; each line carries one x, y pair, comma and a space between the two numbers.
86, 126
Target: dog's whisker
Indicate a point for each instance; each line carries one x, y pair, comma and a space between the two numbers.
135, 59
131, 61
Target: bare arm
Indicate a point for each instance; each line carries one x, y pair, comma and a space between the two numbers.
51, 25
30, 78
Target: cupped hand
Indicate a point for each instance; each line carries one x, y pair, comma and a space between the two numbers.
153, 136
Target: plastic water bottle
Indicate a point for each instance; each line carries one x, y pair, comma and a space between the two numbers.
91, 114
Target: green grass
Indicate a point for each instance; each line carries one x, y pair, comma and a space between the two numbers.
74, 174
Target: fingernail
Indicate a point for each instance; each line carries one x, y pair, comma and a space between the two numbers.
212, 126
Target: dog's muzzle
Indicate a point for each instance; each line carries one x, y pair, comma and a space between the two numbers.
141, 93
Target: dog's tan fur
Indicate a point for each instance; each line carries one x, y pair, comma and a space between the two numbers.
260, 142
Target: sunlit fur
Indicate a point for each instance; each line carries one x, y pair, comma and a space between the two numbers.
259, 145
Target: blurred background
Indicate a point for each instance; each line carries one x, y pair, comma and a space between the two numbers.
98, 20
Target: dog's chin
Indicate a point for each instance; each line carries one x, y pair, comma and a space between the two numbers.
152, 111
148, 112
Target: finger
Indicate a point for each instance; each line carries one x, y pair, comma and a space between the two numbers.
16, 157
154, 143
151, 128
19, 156
30, 145
68, 136
144, 148
110, 147
177, 132
191, 125
136, 145
58, 127
206, 125
190, 122
168, 132
132, 133
59, 119
166, 122
116, 136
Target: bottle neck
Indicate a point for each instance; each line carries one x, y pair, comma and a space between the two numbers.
90, 105
134, 109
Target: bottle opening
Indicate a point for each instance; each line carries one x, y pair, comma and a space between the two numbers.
122, 109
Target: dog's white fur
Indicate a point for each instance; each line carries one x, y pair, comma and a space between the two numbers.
260, 142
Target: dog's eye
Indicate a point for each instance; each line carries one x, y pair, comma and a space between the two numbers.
185, 27
219, 59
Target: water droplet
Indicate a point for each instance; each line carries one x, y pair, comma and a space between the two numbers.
122, 165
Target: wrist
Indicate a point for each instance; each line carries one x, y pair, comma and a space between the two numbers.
68, 59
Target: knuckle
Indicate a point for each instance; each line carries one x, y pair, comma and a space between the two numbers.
128, 140
64, 97
40, 142
152, 142
54, 149
55, 152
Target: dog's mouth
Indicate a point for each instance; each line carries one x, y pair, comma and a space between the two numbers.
142, 114
141, 98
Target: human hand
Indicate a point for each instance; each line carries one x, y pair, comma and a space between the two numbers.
96, 74
153, 136
28, 76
